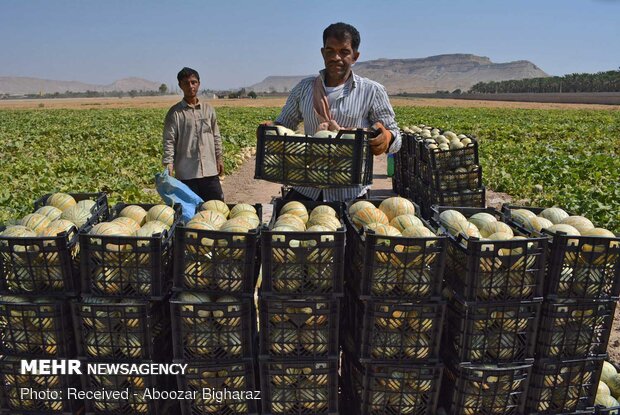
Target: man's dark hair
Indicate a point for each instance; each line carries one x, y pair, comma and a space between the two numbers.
186, 73
342, 31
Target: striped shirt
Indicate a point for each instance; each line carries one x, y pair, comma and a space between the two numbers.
362, 103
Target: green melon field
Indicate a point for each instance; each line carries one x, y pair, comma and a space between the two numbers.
573, 154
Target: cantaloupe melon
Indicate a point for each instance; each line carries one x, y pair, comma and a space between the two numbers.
396, 206
495, 227
57, 226
61, 201
216, 205
135, 212
323, 210
369, 215
401, 222
50, 212
554, 214
212, 216
362, 204
292, 220
482, 218
580, 223
86, 204
35, 221
295, 208
77, 215
538, 224
326, 220
241, 207
161, 213
129, 223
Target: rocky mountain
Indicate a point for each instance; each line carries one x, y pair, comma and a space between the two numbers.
424, 75
16, 85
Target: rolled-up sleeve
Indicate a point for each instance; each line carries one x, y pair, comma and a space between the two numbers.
381, 110
170, 137
291, 116
217, 138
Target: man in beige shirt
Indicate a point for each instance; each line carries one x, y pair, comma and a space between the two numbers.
192, 142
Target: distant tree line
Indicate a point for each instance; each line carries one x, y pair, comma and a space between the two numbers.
162, 90
608, 81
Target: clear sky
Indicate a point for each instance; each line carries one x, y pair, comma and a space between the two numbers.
238, 43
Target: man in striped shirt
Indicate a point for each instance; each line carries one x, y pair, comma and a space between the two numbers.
338, 98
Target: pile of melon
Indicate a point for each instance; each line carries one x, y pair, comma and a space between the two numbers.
436, 140
482, 225
395, 216
294, 217
608, 391
215, 215
60, 214
282, 130
555, 220
133, 220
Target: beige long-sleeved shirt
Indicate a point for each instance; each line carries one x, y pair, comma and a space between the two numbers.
192, 140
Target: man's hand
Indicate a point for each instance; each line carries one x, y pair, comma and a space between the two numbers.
170, 168
220, 167
380, 143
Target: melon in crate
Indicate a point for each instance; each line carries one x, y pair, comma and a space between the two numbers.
295, 208
135, 212
62, 201
35, 221
554, 214
396, 206
216, 206
369, 215
77, 215
51, 212
161, 213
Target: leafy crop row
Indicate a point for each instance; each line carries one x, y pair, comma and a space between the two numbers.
573, 154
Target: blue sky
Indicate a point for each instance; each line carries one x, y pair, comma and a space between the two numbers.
238, 43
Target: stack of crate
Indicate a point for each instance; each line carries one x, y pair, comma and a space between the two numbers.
393, 319
39, 276
581, 293
213, 317
123, 314
495, 294
299, 315
443, 177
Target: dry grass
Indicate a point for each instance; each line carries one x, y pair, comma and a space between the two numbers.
169, 100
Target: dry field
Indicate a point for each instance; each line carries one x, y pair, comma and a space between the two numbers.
168, 100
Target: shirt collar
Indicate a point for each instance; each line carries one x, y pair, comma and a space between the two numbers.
184, 104
348, 85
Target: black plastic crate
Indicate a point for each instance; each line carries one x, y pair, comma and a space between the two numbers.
393, 267
128, 266
138, 391
485, 389
204, 328
291, 387
451, 181
303, 263
299, 329
210, 383
561, 386
51, 388
414, 142
491, 332
579, 266
464, 198
217, 262
392, 332
36, 328
310, 161
111, 329
450, 159
46, 266
571, 329
377, 389
482, 270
